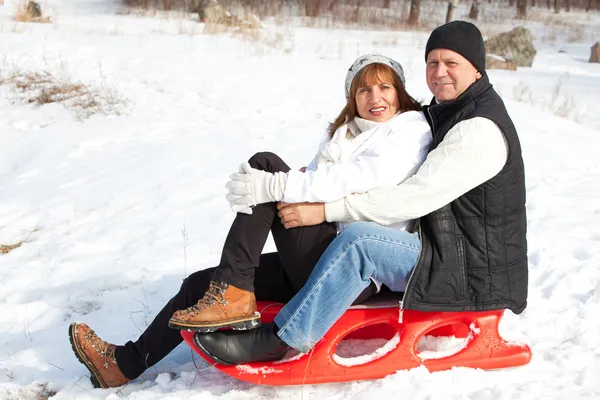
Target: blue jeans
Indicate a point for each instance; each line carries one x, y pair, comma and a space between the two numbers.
363, 250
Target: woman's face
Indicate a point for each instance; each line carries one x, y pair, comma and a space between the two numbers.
377, 103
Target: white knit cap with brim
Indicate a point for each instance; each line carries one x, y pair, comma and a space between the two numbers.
367, 59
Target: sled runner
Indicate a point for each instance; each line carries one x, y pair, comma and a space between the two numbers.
483, 347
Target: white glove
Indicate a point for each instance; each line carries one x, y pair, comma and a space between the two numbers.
250, 187
240, 208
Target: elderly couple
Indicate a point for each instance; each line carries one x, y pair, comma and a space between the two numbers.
429, 201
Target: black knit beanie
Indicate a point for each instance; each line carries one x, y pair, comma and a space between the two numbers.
462, 37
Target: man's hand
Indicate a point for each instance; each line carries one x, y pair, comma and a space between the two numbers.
301, 214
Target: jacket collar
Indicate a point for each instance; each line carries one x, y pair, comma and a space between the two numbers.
437, 113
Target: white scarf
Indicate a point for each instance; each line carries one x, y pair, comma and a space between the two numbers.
346, 139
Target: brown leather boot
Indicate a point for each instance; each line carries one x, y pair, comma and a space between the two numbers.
222, 306
97, 355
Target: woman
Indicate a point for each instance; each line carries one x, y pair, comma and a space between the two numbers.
380, 138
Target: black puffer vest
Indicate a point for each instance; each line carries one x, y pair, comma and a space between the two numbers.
474, 250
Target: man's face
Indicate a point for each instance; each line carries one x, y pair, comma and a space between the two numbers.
449, 74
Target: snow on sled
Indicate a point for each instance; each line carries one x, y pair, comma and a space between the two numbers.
482, 347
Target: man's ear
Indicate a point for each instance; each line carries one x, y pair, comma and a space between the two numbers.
478, 75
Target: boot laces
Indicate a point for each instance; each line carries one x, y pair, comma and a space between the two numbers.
215, 293
105, 349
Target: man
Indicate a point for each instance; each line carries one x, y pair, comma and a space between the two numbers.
470, 252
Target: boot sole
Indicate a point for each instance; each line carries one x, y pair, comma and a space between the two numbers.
238, 324
215, 359
95, 378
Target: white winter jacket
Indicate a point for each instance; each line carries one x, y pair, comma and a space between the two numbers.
375, 154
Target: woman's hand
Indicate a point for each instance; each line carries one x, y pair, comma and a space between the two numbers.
249, 187
301, 214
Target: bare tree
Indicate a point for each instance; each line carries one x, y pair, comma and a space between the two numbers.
451, 8
474, 12
590, 4
557, 6
511, 3
311, 7
568, 5
415, 8
386, 3
357, 11
521, 9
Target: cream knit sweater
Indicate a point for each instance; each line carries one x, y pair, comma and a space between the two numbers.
472, 152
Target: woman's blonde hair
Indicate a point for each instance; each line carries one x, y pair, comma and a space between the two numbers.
370, 75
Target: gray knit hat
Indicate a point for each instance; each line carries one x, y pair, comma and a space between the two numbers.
367, 59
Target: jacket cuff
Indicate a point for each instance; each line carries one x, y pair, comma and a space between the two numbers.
336, 211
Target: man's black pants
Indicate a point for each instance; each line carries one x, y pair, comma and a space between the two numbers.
272, 277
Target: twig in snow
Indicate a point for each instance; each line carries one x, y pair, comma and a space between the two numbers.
132, 320
56, 366
26, 326
76, 384
8, 374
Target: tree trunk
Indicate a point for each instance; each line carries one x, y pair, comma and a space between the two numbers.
589, 6
451, 8
556, 6
386, 3
568, 5
521, 9
532, 3
511, 3
311, 8
474, 12
549, 4
415, 8
357, 11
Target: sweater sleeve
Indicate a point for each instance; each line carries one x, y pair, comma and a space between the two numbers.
472, 152
392, 158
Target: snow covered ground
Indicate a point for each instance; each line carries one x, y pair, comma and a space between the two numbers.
114, 210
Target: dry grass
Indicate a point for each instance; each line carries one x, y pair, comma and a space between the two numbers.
5, 248
560, 103
43, 87
25, 13
261, 41
164, 5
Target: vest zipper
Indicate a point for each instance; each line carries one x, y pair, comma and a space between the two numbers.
421, 251
431, 119
410, 278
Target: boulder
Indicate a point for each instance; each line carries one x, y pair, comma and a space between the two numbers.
515, 46
211, 12
253, 21
214, 13
493, 61
595, 56
34, 11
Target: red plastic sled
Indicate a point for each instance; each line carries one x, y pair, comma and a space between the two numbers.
483, 346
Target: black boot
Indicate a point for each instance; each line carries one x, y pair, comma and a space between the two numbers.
240, 347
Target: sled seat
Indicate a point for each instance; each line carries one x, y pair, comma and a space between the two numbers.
380, 319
